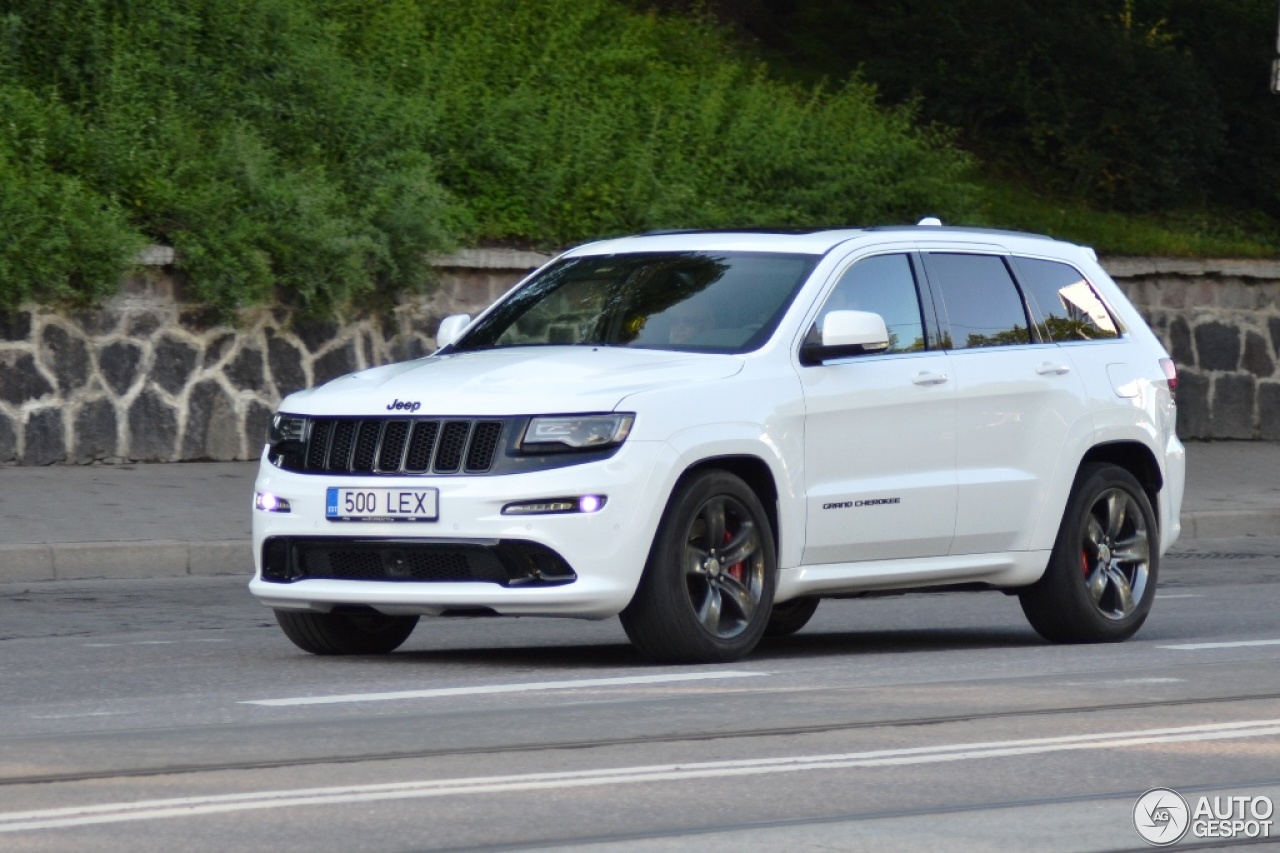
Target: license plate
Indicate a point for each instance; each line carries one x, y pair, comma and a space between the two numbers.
381, 504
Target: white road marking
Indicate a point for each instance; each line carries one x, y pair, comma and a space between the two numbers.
503, 688
1178, 595
69, 816
1123, 682
1191, 647
148, 643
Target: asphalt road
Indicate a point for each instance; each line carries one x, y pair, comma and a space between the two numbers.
172, 714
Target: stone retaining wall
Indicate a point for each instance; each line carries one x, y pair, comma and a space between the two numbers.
1220, 320
149, 378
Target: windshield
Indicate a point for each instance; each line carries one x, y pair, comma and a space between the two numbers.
723, 302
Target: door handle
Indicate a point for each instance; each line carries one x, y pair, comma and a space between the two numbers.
1051, 369
924, 377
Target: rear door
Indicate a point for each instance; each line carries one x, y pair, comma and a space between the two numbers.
1017, 398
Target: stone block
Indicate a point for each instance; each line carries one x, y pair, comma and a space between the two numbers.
1269, 411
153, 427
213, 430
1217, 346
15, 326
1233, 403
69, 355
44, 438
1273, 325
144, 324
315, 333
118, 363
1173, 295
103, 321
199, 319
257, 420
285, 362
246, 371
218, 347
336, 362
21, 379
1180, 343
1236, 295
1257, 358
174, 361
8, 439
1193, 405
95, 431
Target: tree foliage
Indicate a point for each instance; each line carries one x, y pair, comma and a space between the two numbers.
1130, 104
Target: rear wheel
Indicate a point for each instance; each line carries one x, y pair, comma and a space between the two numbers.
1101, 577
708, 585
790, 616
346, 632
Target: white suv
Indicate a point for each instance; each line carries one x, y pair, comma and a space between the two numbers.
705, 433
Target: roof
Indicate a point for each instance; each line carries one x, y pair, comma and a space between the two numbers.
783, 240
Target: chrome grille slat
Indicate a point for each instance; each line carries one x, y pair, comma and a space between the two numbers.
400, 446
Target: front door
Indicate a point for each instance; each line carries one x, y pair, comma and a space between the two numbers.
880, 437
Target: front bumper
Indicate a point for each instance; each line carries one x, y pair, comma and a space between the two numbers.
604, 551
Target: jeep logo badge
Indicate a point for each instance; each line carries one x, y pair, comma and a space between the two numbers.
404, 406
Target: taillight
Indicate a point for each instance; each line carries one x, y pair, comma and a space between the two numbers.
1170, 375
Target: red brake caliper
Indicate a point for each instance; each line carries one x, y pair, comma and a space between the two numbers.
736, 571
1084, 562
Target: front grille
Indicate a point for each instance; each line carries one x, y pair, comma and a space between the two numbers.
508, 562
401, 446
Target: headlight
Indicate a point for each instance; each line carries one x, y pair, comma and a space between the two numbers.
287, 428
286, 439
575, 432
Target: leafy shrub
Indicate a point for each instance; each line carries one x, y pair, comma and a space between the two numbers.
322, 150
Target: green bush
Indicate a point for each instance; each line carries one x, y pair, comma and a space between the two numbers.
323, 150
557, 121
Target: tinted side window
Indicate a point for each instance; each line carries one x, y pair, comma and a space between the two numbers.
1066, 306
886, 286
981, 306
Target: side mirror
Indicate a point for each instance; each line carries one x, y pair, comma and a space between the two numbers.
451, 329
846, 333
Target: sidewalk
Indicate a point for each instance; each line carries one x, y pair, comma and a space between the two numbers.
193, 518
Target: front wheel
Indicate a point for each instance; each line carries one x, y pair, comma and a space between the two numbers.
708, 585
346, 632
1101, 578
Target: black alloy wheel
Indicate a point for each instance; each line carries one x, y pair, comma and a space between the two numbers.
707, 588
1101, 577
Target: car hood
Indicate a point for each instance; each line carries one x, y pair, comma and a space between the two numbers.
511, 381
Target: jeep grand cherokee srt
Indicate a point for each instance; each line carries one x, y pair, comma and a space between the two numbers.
706, 433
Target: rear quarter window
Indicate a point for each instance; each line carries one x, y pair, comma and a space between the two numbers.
1065, 305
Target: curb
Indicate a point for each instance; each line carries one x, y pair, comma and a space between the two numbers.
163, 558
168, 558
1228, 523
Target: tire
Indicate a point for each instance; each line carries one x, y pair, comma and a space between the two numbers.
346, 632
699, 601
1101, 577
790, 616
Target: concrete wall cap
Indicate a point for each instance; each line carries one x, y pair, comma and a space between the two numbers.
1133, 267
492, 259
